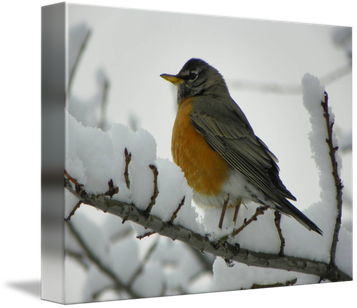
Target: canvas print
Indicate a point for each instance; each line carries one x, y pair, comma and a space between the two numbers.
203, 154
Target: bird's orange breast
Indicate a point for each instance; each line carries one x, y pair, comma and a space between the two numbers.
205, 170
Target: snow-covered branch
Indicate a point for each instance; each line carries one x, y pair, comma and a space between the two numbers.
335, 174
324, 146
227, 251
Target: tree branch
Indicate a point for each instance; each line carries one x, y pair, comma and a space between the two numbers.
104, 104
277, 221
156, 191
126, 171
293, 89
72, 73
338, 183
227, 251
74, 210
274, 285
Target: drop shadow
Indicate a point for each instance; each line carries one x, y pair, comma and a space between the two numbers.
31, 287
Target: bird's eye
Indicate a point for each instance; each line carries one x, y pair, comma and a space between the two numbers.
192, 76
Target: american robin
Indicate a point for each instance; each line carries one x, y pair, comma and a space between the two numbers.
224, 162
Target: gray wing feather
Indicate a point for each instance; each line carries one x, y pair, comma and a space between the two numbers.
228, 132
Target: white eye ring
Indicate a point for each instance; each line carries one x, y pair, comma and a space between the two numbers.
192, 76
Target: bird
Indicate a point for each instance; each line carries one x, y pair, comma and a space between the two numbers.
223, 161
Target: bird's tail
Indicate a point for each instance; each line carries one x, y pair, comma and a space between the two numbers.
291, 210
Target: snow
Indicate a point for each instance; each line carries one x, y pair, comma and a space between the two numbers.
151, 281
89, 110
93, 236
344, 251
84, 161
93, 161
251, 237
142, 147
323, 212
178, 262
124, 258
94, 157
168, 199
95, 283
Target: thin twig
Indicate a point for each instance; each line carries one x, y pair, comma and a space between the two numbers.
126, 172
77, 186
338, 183
156, 192
277, 225
112, 190
104, 104
274, 285
79, 257
72, 73
74, 210
259, 211
292, 89
174, 215
147, 234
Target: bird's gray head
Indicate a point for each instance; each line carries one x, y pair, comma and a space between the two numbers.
196, 78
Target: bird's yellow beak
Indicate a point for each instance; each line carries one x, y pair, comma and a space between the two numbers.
172, 78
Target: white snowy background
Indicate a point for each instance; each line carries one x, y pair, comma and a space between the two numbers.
263, 63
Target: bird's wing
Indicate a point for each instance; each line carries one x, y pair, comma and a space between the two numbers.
228, 132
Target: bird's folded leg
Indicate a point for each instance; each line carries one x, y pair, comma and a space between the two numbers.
223, 212
239, 202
